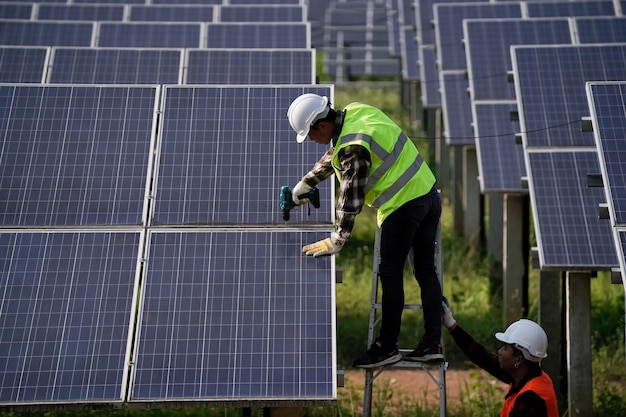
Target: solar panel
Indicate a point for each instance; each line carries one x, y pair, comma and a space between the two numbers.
500, 158
409, 54
115, 66
429, 76
250, 66
171, 13
570, 8
150, 35
185, 2
449, 27
66, 305
549, 82
112, 1
49, 33
226, 151
457, 114
488, 42
15, 10
263, 13
607, 102
75, 155
252, 2
258, 35
23, 64
235, 315
601, 29
84, 12
569, 233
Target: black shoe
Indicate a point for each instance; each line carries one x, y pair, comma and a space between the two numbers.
377, 356
425, 353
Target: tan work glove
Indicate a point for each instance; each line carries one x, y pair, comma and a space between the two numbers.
322, 248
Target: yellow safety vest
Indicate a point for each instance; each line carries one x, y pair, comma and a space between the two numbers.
398, 173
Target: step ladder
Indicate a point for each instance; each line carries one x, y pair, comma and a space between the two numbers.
435, 371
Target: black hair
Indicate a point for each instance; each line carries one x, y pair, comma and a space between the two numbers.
330, 117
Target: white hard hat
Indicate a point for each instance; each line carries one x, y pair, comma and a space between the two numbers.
527, 336
304, 111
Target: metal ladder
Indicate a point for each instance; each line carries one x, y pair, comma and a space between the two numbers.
436, 371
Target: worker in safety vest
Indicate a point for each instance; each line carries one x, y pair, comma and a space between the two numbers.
517, 363
378, 165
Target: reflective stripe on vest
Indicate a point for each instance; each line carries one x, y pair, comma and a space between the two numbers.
388, 159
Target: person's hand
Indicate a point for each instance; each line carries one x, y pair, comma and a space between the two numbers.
447, 318
322, 248
298, 190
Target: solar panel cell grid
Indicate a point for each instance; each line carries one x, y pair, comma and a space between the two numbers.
81, 161
258, 35
21, 32
84, 12
601, 29
65, 312
570, 8
259, 13
217, 168
178, 13
115, 66
15, 10
218, 324
23, 65
149, 35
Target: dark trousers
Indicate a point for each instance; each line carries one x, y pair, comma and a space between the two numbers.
412, 226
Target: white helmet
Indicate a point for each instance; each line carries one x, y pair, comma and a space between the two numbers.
304, 111
527, 336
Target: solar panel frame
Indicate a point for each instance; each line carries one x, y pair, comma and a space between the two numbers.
257, 35
206, 150
150, 34
249, 66
218, 323
47, 33
68, 302
116, 66
23, 64
83, 161
607, 104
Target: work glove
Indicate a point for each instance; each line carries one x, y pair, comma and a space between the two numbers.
299, 189
322, 248
447, 318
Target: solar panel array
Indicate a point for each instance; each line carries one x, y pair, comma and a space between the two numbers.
559, 155
607, 105
144, 146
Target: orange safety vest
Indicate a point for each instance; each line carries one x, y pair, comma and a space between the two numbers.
542, 386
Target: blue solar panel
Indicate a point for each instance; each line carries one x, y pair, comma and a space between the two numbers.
258, 35
449, 28
429, 77
150, 35
115, 66
66, 303
488, 43
457, 114
500, 159
235, 315
171, 13
112, 1
85, 12
569, 233
250, 66
252, 2
49, 33
607, 102
74, 155
570, 8
23, 64
263, 13
223, 156
15, 10
601, 29
409, 54
550, 89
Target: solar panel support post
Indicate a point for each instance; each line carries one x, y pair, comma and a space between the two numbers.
436, 372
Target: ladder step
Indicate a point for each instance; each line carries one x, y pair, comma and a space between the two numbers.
378, 306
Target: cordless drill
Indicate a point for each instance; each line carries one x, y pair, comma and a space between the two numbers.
286, 202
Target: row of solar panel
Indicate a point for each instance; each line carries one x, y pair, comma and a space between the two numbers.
155, 35
84, 155
154, 12
216, 322
168, 2
156, 66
